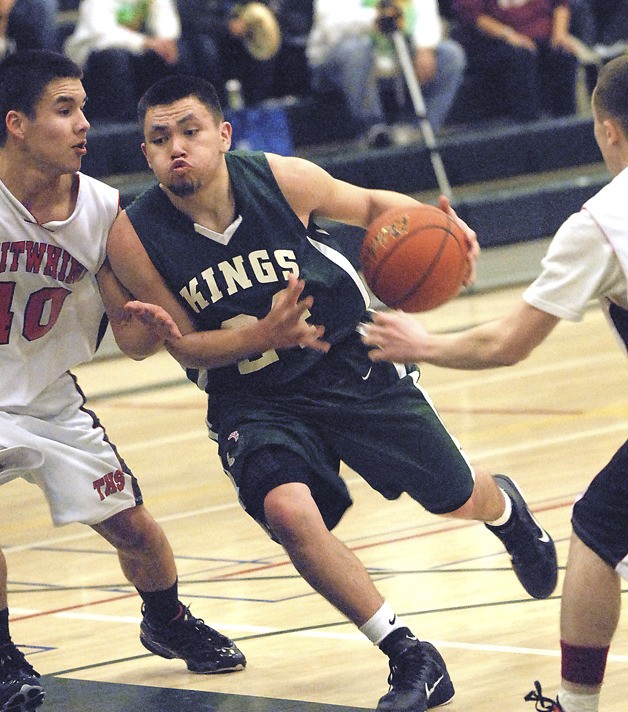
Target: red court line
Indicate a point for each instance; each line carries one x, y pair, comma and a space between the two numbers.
513, 411
121, 597
440, 530
454, 526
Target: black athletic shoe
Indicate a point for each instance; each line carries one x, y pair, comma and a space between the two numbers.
418, 679
20, 688
543, 704
531, 548
203, 648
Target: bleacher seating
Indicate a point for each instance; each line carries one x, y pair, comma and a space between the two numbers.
511, 183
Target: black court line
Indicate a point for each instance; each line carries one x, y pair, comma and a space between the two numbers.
321, 626
63, 695
67, 695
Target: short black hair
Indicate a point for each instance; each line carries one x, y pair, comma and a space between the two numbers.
24, 77
176, 87
610, 97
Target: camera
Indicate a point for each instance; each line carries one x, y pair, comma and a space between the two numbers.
389, 16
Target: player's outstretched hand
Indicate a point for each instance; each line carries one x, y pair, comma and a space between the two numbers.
472, 240
394, 336
154, 318
286, 323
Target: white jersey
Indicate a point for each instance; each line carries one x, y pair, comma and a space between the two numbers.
588, 259
50, 306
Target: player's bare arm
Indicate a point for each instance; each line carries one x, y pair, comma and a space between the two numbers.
313, 192
284, 327
400, 337
139, 331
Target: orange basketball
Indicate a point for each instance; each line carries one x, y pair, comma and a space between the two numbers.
414, 259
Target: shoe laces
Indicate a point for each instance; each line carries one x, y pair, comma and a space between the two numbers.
543, 704
13, 662
517, 546
190, 622
407, 667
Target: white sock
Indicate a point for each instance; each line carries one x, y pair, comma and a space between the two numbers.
507, 511
572, 702
381, 624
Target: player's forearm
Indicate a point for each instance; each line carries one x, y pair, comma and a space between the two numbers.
562, 16
382, 200
478, 348
213, 349
133, 338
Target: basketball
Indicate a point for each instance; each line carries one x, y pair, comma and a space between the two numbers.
414, 259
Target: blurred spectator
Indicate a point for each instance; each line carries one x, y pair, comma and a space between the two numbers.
523, 53
27, 24
291, 70
346, 50
123, 47
602, 25
217, 37
211, 46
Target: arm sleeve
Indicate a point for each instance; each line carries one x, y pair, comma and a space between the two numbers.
163, 20
579, 266
428, 30
98, 29
334, 20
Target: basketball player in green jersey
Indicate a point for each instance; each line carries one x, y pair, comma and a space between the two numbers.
228, 246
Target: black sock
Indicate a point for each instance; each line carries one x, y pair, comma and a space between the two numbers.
162, 606
390, 645
4, 627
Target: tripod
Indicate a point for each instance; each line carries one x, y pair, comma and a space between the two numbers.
418, 103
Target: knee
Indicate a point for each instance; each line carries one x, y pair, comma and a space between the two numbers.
467, 511
289, 517
483, 501
132, 531
354, 57
453, 58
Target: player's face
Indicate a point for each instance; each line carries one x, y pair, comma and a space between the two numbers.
55, 140
184, 145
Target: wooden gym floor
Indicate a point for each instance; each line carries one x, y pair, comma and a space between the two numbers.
551, 422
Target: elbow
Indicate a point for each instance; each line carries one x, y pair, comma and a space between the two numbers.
137, 356
508, 356
134, 352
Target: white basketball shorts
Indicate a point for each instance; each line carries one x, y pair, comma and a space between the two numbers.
81, 475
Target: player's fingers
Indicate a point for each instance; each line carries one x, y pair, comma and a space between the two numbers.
382, 317
294, 288
172, 331
376, 355
444, 204
472, 241
304, 305
374, 335
133, 307
368, 335
314, 340
470, 276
